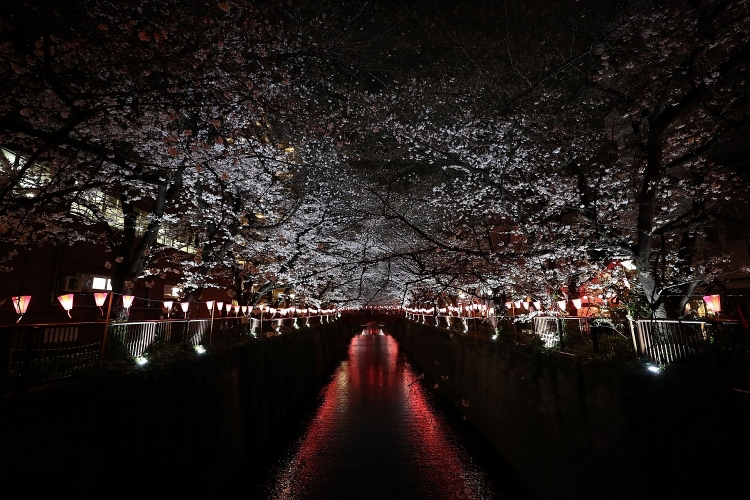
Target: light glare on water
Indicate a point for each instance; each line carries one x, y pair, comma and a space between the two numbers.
378, 434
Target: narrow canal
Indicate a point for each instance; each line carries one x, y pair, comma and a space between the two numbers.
380, 432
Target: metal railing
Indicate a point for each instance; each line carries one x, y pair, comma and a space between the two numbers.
658, 340
35, 355
665, 341
40, 354
599, 336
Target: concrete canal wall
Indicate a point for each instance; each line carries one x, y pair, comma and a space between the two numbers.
582, 430
183, 426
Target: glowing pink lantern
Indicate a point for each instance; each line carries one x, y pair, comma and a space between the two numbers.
168, 306
20, 304
219, 306
67, 302
509, 305
577, 303
562, 304
185, 306
229, 308
127, 301
210, 305
100, 298
538, 304
244, 310
236, 309
517, 304
713, 303
525, 305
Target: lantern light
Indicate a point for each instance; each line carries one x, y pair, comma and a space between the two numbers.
67, 302
538, 304
508, 305
127, 301
236, 308
185, 306
20, 304
713, 303
229, 307
525, 305
168, 306
220, 306
99, 298
517, 304
577, 303
562, 304
210, 305
244, 309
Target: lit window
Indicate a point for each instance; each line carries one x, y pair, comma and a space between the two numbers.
99, 283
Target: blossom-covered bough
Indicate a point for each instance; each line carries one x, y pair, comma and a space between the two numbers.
368, 154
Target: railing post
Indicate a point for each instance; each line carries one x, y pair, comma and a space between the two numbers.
632, 333
106, 329
593, 333
558, 325
6, 341
211, 328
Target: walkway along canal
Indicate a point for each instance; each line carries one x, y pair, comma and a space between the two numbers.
380, 432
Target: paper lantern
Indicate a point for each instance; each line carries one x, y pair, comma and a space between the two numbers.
577, 303
562, 304
244, 309
525, 305
185, 306
210, 305
67, 302
229, 308
20, 304
219, 306
713, 303
100, 298
236, 309
538, 304
127, 301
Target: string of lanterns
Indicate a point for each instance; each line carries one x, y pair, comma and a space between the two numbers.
21, 305
713, 305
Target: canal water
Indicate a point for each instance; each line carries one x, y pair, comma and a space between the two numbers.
380, 431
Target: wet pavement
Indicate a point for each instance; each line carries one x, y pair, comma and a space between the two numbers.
379, 432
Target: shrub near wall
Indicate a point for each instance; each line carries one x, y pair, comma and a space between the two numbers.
182, 426
582, 430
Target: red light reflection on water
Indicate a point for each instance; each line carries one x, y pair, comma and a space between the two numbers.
376, 433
